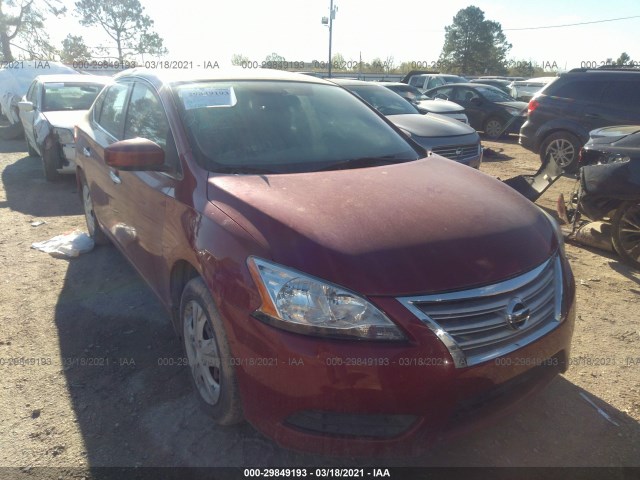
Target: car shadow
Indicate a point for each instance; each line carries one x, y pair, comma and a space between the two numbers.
134, 405
28, 192
12, 146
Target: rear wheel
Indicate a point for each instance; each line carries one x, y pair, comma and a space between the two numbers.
562, 148
207, 349
626, 232
8, 130
493, 127
93, 228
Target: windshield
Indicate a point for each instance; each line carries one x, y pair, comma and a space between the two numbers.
383, 99
454, 79
69, 96
409, 92
494, 94
284, 127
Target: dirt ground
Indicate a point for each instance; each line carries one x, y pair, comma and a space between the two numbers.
85, 348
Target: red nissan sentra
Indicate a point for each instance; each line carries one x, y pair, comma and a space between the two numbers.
333, 284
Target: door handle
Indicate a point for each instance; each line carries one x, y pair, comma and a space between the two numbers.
86, 152
115, 178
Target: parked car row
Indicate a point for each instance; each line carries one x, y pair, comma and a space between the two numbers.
280, 216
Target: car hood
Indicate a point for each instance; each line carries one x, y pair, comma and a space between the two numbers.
440, 106
608, 135
424, 226
65, 118
432, 125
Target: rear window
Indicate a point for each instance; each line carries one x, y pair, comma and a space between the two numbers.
69, 96
284, 127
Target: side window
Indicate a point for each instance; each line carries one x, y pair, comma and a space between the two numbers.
582, 90
622, 94
435, 82
414, 81
111, 116
465, 94
31, 94
146, 119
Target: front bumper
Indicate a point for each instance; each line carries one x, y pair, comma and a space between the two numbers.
369, 398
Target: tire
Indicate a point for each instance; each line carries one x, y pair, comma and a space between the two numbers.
563, 148
50, 165
93, 227
625, 232
207, 348
493, 128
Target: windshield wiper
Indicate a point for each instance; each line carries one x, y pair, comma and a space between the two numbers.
362, 163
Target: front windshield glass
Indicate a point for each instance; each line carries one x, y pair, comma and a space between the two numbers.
284, 127
383, 99
69, 96
494, 94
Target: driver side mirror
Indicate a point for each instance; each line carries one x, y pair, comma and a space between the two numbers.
137, 154
25, 106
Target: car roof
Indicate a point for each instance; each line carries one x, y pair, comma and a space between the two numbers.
174, 77
75, 78
469, 85
394, 84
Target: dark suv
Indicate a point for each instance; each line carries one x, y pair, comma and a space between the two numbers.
563, 113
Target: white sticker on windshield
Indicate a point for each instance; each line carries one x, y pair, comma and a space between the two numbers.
206, 97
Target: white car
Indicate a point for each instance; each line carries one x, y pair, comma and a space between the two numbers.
49, 111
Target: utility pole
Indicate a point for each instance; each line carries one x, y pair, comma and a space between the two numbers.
329, 23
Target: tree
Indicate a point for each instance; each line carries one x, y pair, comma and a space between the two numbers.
238, 60
74, 50
125, 23
623, 59
22, 25
473, 45
274, 58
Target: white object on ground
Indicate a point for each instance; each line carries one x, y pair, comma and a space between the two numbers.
69, 244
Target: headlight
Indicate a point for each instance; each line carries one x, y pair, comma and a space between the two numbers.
556, 228
513, 111
64, 136
300, 303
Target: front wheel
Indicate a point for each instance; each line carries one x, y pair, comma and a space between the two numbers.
95, 232
562, 148
209, 356
626, 232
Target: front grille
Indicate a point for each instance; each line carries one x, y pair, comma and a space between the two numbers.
457, 152
484, 323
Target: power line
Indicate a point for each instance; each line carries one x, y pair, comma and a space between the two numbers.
572, 24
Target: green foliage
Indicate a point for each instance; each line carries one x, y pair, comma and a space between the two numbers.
74, 50
473, 45
22, 25
125, 23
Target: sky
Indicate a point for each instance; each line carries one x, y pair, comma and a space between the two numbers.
407, 30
